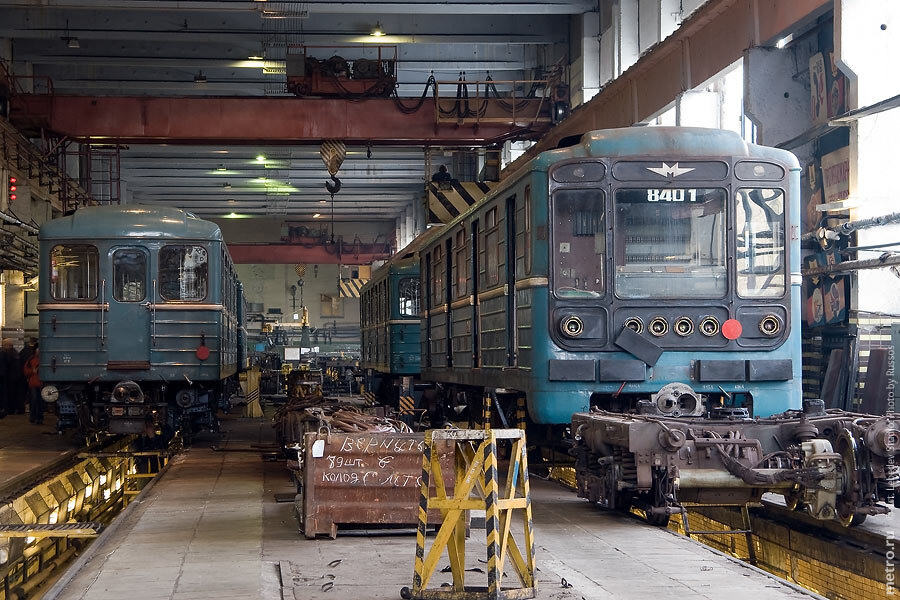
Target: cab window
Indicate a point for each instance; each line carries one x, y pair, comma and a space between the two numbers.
183, 273
74, 272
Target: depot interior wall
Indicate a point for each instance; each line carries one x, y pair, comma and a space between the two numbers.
867, 46
19, 302
270, 285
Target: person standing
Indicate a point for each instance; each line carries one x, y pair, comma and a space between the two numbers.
36, 402
12, 386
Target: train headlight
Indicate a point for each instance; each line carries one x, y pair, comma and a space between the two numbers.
658, 327
50, 393
683, 326
572, 326
770, 325
127, 391
709, 326
635, 324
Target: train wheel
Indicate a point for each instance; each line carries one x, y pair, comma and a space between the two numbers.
657, 520
846, 505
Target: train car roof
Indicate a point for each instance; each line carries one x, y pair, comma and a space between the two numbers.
131, 221
633, 142
406, 257
661, 142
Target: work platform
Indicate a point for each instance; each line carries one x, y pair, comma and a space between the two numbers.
26, 448
211, 528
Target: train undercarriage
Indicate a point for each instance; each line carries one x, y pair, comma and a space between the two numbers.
147, 409
836, 465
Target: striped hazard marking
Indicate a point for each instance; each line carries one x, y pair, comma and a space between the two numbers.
350, 288
407, 405
447, 203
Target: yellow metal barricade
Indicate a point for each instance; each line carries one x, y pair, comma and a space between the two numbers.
477, 487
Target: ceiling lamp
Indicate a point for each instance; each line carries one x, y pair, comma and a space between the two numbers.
378, 31
200, 77
72, 42
261, 158
316, 216
255, 57
227, 186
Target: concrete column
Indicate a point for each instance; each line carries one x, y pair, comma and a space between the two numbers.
585, 66
628, 46
411, 232
774, 100
867, 42
6, 52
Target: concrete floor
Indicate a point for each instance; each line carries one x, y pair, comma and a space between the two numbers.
210, 528
25, 446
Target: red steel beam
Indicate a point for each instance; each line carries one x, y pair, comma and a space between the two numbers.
288, 254
217, 120
713, 38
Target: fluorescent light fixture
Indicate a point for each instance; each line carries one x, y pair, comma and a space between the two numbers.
255, 57
784, 41
260, 158
323, 201
316, 216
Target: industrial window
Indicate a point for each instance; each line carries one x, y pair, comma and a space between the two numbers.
183, 273
129, 275
759, 228
74, 272
461, 264
409, 296
492, 249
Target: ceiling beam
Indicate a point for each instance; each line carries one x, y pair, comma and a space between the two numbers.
215, 120
287, 254
709, 41
293, 9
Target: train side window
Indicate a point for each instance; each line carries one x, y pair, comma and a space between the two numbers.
183, 273
437, 281
129, 275
461, 264
74, 272
759, 229
409, 296
492, 249
526, 247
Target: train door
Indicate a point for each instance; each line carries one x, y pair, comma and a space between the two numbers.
511, 332
476, 275
128, 343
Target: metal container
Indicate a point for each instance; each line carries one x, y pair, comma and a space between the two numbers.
364, 479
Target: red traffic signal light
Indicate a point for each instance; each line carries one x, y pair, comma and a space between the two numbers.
12, 188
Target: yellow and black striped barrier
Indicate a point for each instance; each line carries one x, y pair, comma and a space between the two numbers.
486, 412
407, 405
520, 412
477, 486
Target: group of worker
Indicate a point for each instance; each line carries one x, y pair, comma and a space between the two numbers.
19, 380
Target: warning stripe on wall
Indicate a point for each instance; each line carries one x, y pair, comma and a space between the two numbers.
350, 288
445, 204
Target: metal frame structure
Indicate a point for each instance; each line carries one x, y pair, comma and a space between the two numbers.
476, 471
